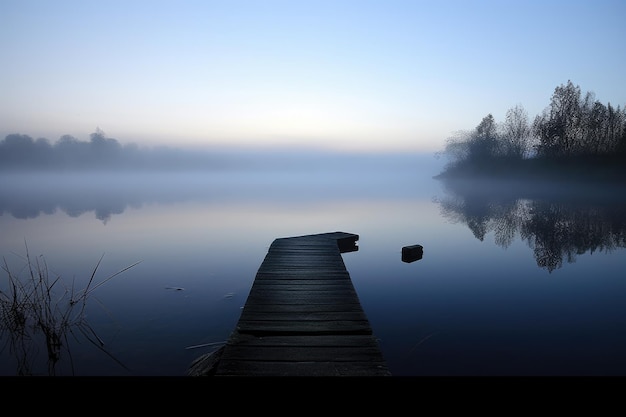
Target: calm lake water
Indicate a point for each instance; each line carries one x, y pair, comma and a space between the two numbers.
514, 280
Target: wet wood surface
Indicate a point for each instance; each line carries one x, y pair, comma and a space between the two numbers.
302, 316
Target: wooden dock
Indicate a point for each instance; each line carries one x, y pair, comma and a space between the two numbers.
302, 317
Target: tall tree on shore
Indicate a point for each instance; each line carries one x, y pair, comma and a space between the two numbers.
559, 126
516, 134
575, 126
484, 143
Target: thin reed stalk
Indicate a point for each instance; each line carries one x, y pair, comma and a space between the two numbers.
39, 310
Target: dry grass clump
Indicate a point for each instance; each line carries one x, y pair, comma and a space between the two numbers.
37, 309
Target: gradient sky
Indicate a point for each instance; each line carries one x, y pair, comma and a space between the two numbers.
350, 75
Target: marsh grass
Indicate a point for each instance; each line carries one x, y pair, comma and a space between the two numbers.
39, 312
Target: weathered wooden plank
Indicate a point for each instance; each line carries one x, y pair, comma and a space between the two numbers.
302, 315
357, 340
299, 299
304, 287
303, 275
319, 267
294, 308
302, 369
302, 284
259, 327
310, 292
303, 353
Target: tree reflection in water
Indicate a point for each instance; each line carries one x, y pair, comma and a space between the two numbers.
558, 221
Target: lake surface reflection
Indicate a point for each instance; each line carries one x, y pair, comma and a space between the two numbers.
514, 280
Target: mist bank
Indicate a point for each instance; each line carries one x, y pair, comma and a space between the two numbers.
256, 179
239, 161
21, 153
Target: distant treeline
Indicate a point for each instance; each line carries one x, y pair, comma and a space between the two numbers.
575, 136
22, 152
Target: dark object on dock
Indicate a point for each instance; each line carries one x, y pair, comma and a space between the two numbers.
302, 317
412, 253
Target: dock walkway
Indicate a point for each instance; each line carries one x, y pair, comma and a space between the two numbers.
302, 317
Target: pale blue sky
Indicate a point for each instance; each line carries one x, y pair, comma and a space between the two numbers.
350, 75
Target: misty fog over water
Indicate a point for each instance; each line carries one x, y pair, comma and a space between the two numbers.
288, 177
516, 279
